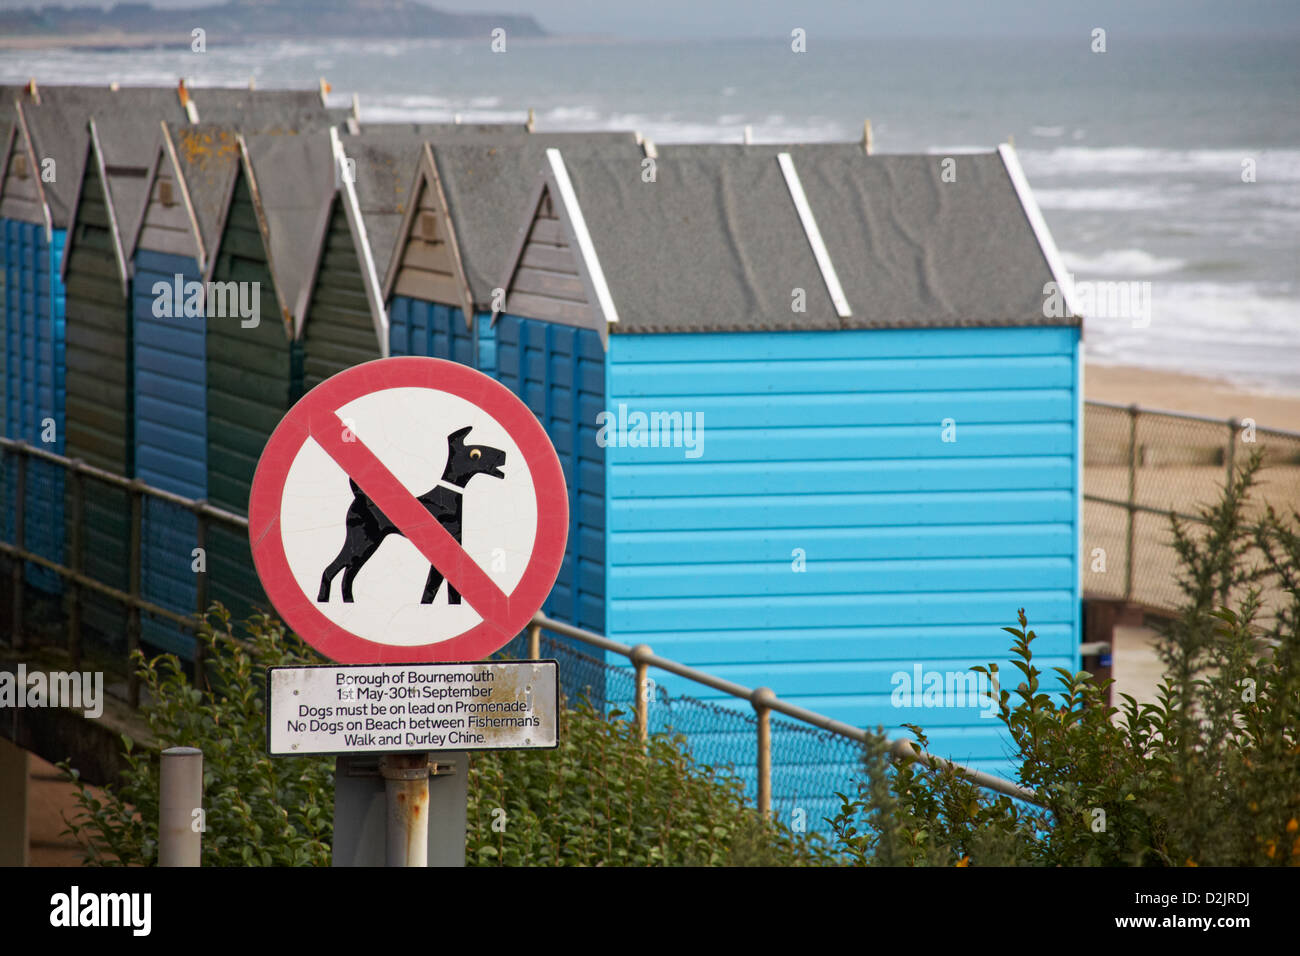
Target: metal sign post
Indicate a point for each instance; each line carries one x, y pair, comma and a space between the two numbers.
450, 466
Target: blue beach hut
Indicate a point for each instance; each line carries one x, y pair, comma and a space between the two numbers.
827, 432
454, 238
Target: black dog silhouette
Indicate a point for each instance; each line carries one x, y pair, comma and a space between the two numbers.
368, 526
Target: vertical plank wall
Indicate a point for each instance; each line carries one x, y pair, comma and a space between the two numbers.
420, 327
34, 305
99, 403
558, 372
170, 422
829, 446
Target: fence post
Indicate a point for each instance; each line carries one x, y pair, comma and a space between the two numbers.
133, 614
534, 641
201, 597
1132, 500
762, 699
20, 532
180, 831
640, 656
1230, 457
77, 482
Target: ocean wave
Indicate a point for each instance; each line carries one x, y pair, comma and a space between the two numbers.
1107, 198
1248, 333
1120, 262
1271, 165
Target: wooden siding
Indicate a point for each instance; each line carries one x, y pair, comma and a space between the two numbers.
169, 419
34, 306
547, 283
20, 196
99, 403
253, 375
426, 269
339, 331
558, 371
167, 228
829, 446
417, 327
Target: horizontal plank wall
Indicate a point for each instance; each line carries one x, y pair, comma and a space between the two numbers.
546, 284
34, 306
339, 331
253, 375
417, 327
170, 417
99, 404
822, 536
425, 267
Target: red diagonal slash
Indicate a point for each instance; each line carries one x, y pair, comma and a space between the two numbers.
411, 518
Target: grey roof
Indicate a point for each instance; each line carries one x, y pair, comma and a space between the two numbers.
436, 129
127, 121
912, 250
294, 176
208, 155
716, 243
262, 110
386, 165
59, 130
488, 185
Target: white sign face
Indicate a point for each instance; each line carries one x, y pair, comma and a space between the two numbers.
390, 708
494, 517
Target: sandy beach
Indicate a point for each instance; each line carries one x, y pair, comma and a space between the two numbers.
1176, 392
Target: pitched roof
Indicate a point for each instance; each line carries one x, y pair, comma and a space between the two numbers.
488, 185
265, 110
713, 243
913, 250
293, 186
386, 166
208, 156
717, 242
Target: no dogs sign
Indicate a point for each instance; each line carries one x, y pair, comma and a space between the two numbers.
408, 510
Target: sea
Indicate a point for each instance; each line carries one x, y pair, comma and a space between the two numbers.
1172, 163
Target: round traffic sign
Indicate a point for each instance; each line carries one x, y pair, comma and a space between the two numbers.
408, 509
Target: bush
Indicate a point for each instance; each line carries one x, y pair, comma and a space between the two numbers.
602, 798
1207, 775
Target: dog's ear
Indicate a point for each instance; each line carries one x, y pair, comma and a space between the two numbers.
458, 437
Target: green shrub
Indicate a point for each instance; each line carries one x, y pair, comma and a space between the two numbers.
1207, 775
603, 797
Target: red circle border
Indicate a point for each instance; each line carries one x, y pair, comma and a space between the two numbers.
299, 610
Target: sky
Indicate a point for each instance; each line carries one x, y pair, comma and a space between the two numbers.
687, 19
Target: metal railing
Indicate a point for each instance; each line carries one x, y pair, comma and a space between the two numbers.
77, 471
763, 700
1141, 465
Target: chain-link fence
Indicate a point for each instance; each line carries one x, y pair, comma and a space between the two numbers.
1140, 465
809, 765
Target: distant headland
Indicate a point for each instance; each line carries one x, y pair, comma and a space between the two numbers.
141, 24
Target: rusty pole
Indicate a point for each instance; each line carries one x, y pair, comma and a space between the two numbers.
762, 699
640, 656
406, 781
534, 641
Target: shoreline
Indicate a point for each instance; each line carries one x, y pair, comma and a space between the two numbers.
1193, 394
